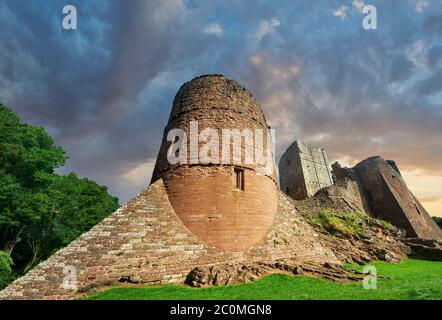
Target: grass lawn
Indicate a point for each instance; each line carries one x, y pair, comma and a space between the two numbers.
411, 279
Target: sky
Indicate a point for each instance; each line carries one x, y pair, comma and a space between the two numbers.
104, 91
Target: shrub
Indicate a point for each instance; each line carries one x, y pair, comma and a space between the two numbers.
6, 274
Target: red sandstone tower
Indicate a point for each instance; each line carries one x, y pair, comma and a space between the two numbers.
228, 204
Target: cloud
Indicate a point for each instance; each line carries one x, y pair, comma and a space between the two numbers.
105, 91
421, 5
430, 85
138, 175
417, 52
401, 68
433, 23
214, 28
427, 188
266, 27
358, 5
435, 55
341, 12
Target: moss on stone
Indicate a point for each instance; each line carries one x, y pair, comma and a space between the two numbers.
346, 224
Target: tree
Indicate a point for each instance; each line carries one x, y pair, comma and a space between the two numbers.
76, 206
41, 211
438, 220
6, 275
28, 158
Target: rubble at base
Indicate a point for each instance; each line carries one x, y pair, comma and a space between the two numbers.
228, 274
424, 249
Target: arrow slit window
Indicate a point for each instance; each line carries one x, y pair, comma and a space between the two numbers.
239, 178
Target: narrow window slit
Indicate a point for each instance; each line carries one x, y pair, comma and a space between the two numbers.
239, 178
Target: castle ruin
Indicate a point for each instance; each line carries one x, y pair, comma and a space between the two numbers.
217, 201
212, 213
195, 214
384, 190
303, 171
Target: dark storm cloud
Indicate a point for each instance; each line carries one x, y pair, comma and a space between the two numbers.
105, 90
51, 70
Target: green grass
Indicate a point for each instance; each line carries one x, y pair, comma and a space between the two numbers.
411, 279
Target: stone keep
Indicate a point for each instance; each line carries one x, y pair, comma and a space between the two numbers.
303, 171
205, 195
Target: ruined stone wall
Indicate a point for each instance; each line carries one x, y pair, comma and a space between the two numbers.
291, 176
203, 194
348, 181
191, 215
145, 242
303, 171
391, 200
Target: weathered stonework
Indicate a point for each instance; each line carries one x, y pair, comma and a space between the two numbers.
347, 179
145, 242
203, 194
191, 215
391, 200
303, 171
375, 243
387, 196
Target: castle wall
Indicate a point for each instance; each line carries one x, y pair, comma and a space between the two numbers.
303, 171
203, 194
217, 103
192, 214
230, 219
145, 242
391, 200
347, 179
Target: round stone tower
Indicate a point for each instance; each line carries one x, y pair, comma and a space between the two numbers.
226, 200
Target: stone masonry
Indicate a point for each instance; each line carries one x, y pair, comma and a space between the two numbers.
203, 193
303, 171
145, 242
383, 189
196, 214
192, 214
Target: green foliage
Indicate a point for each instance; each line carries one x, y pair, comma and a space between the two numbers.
28, 158
41, 211
410, 279
386, 225
76, 206
348, 224
6, 274
438, 221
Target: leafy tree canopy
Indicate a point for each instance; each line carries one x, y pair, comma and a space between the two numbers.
41, 211
5, 269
